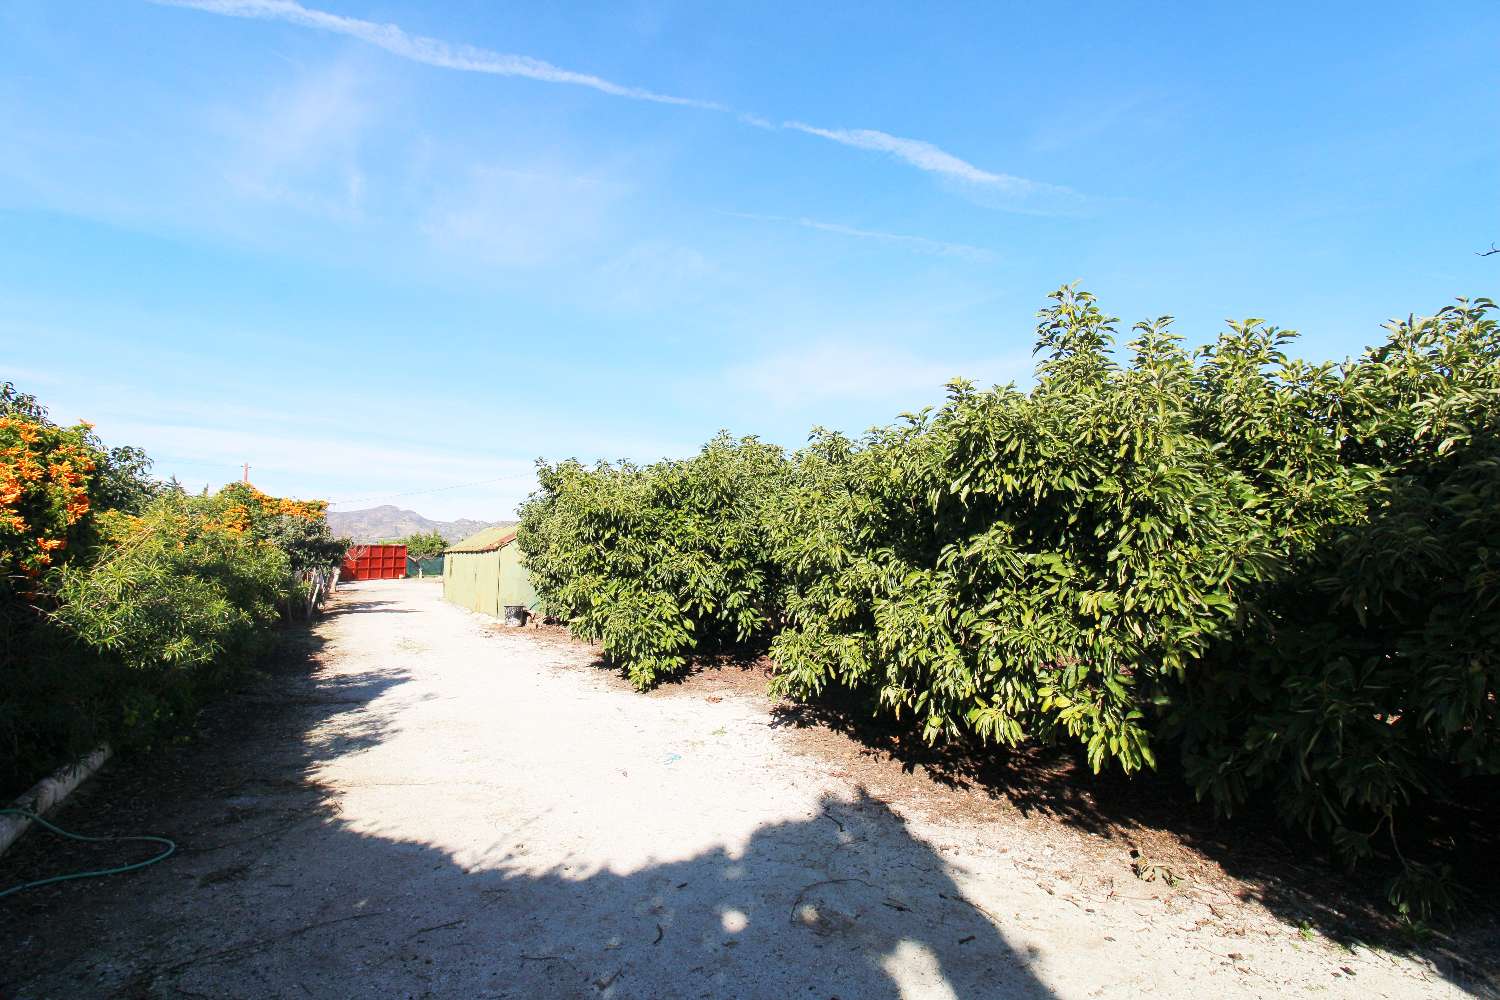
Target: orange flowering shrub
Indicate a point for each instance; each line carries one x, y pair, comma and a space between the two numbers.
310, 509
235, 519
125, 601
45, 475
248, 509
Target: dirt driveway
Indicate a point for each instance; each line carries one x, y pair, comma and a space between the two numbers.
429, 805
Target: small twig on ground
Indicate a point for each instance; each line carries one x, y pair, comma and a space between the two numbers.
439, 927
969, 902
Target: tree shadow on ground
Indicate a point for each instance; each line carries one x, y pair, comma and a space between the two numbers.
274, 893
368, 606
1156, 814
846, 904
745, 663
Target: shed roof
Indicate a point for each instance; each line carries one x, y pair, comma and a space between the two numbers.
487, 540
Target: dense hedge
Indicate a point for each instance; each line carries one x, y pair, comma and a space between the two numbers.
1025, 566
123, 600
1365, 682
1281, 572
660, 562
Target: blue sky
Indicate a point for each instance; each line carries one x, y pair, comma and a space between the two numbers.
378, 247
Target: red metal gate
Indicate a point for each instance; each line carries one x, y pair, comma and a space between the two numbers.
374, 562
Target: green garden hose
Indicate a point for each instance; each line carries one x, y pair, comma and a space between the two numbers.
171, 846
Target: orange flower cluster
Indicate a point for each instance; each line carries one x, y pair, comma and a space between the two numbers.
264, 505
281, 506
241, 509
235, 520
311, 509
44, 491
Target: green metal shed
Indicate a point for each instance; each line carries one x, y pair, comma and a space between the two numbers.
486, 572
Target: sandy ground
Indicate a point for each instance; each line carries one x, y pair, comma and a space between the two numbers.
430, 805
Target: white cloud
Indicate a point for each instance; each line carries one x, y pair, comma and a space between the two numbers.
499, 216
653, 274
467, 58
431, 51
296, 451
841, 370
920, 154
25, 377
919, 244
1014, 191
301, 146
333, 467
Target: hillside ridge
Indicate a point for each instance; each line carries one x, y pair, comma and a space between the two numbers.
388, 522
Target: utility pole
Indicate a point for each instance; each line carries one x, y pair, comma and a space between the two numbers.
247, 473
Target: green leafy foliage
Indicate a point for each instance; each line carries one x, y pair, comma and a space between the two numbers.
170, 606
1366, 680
657, 562
126, 601
1282, 573
1024, 566
174, 589
309, 545
424, 544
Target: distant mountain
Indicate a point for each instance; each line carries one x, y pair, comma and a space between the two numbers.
380, 524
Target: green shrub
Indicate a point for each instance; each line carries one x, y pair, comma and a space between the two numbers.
1025, 566
127, 640
175, 588
1366, 679
124, 601
657, 562
1283, 573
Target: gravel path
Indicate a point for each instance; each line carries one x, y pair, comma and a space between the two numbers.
444, 808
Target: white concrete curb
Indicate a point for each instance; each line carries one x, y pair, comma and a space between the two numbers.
48, 793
